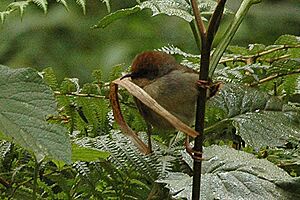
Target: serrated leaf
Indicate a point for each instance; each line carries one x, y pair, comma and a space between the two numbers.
87, 154
178, 8
234, 175
266, 128
248, 110
25, 101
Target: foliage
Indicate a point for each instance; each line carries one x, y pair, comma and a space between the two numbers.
22, 5
257, 110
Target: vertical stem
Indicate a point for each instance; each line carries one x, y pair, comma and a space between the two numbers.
206, 42
199, 126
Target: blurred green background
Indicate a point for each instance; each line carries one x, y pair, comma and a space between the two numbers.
63, 39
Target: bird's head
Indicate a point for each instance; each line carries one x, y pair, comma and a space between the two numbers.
151, 65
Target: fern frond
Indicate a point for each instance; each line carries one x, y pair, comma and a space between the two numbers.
171, 49
82, 168
107, 2
41, 3
63, 2
124, 154
50, 78
21, 5
3, 15
82, 4
4, 148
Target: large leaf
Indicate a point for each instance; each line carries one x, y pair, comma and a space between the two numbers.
178, 8
235, 175
25, 101
257, 118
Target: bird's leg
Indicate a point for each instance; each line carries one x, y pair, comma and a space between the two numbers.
149, 133
196, 155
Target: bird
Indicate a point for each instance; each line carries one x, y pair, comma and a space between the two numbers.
174, 86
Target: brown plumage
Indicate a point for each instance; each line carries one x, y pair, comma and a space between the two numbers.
172, 85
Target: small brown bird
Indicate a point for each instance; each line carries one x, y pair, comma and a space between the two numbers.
174, 86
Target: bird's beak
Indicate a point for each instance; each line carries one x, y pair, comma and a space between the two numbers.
126, 76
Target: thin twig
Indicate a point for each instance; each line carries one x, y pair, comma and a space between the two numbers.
260, 54
198, 19
274, 76
79, 95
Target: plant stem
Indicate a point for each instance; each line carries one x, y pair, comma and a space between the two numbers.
206, 42
231, 30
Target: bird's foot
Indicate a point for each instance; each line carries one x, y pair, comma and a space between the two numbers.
204, 84
196, 155
212, 88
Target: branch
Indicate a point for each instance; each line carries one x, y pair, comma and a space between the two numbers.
198, 19
274, 76
58, 93
246, 59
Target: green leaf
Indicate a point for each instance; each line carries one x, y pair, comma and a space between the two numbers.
178, 8
266, 128
104, 22
234, 175
288, 39
257, 121
87, 154
50, 78
238, 50
25, 101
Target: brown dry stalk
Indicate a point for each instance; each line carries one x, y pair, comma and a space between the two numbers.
146, 99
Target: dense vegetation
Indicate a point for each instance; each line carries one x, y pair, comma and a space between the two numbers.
59, 139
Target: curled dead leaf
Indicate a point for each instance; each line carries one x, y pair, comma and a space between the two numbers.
148, 101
